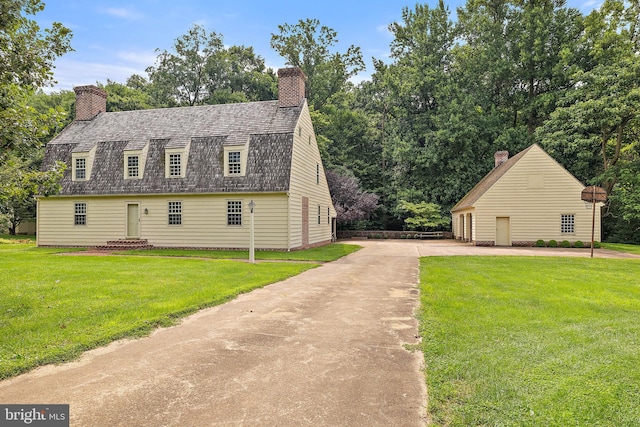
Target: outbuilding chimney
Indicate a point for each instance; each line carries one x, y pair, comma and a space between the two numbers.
501, 157
291, 87
90, 101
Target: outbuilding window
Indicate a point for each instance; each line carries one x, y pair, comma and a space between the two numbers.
567, 223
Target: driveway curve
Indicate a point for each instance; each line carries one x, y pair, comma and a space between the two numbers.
330, 347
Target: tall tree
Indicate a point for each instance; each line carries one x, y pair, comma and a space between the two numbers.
200, 70
308, 45
27, 53
180, 77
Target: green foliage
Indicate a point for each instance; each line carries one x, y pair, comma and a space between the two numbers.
27, 55
540, 244
423, 215
565, 244
20, 182
552, 244
308, 45
517, 349
578, 244
200, 70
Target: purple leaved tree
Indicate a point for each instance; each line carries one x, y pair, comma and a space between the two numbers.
351, 202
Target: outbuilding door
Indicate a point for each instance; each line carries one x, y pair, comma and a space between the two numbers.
503, 231
133, 220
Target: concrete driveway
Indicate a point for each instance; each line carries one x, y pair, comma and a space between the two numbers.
325, 348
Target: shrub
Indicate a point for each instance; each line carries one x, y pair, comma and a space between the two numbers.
540, 244
552, 244
565, 244
597, 245
578, 244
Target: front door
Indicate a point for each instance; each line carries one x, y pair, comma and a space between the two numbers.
133, 220
503, 231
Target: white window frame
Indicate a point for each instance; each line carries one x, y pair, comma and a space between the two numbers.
88, 157
80, 214
175, 165
130, 168
231, 169
234, 213
80, 173
234, 162
170, 153
567, 223
174, 213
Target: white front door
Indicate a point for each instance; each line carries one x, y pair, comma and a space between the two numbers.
133, 220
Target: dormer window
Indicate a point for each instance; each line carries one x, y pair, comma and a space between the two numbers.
176, 159
235, 160
133, 166
81, 168
135, 157
82, 161
175, 164
235, 164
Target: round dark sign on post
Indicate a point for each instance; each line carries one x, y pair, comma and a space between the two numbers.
593, 195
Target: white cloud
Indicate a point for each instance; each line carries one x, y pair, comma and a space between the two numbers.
125, 13
138, 59
70, 73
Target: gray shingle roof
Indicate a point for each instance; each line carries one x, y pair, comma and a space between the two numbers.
267, 128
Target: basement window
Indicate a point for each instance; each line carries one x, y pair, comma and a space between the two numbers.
567, 223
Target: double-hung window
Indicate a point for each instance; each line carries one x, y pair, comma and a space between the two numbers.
567, 223
175, 213
80, 217
234, 213
175, 164
133, 166
81, 168
235, 165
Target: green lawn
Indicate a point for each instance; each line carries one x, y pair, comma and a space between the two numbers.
511, 341
54, 307
621, 247
320, 254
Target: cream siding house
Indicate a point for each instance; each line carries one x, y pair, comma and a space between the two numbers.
184, 177
523, 199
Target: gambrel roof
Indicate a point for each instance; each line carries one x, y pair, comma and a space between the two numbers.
264, 128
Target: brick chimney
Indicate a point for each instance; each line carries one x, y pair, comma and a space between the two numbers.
90, 101
291, 87
501, 157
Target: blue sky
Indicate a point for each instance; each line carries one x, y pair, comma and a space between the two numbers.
115, 39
